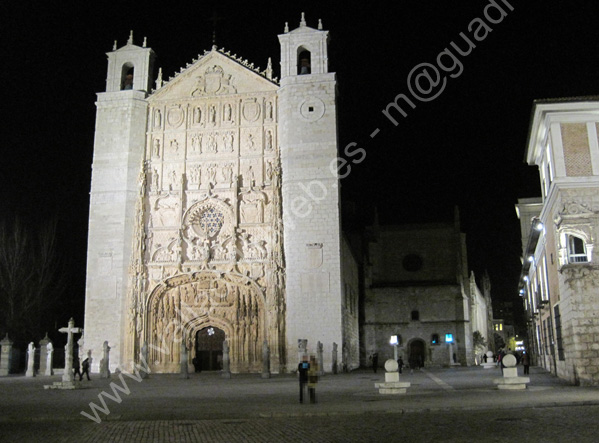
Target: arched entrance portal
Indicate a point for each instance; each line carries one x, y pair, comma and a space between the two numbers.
417, 355
209, 349
186, 306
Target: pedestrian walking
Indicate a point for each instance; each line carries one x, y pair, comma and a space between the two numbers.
85, 367
400, 364
302, 369
375, 361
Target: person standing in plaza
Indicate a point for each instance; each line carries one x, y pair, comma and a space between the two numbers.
85, 367
525, 362
375, 361
302, 369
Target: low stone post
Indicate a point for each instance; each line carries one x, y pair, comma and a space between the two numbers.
184, 361
510, 379
43, 343
265, 360
392, 384
319, 356
5, 355
226, 361
49, 359
30, 360
105, 361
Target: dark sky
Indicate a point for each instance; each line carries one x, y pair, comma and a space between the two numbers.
464, 148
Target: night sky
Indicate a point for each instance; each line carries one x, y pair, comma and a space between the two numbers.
464, 148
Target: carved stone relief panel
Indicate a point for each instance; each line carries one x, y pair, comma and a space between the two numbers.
250, 109
214, 82
251, 143
194, 175
175, 116
251, 206
251, 172
157, 119
165, 211
195, 140
228, 114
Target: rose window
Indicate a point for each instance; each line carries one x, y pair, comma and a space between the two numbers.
211, 221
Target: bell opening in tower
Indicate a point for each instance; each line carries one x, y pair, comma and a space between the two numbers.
127, 77
303, 62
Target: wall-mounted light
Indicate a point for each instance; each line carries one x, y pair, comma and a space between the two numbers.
539, 226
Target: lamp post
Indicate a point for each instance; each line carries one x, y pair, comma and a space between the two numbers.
394, 341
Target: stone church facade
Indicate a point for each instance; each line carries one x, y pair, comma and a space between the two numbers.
214, 213
417, 288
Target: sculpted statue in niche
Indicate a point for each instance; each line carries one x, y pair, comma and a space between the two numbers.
212, 174
249, 178
196, 143
175, 146
195, 175
219, 252
197, 115
228, 139
268, 145
227, 112
212, 143
252, 207
268, 111
227, 173
269, 171
212, 115
172, 180
155, 180
251, 145
157, 118
157, 147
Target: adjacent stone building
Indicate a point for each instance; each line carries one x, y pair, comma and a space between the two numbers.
214, 212
418, 288
560, 274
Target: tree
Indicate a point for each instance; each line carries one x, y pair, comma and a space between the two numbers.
480, 344
32, 278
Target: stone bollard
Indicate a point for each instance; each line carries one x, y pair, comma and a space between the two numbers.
30, 360
392, 384
105, 361
5, 356
490, 364
510, 379
44, 342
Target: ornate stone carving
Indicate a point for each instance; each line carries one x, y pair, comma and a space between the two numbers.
252, 206
175, 116
196, 143
214, 81
268, 143
250, 109
228, 140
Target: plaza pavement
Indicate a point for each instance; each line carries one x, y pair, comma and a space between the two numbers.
168, 400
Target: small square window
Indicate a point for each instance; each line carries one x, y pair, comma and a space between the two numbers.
310, 108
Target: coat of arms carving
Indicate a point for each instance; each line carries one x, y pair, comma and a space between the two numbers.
214, 81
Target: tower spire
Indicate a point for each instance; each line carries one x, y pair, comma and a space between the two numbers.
303, 20
130, 41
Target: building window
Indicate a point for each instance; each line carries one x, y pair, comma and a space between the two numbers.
415, 315
576, 250
435, 339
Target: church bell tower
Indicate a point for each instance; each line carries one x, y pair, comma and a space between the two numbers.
310, 189
118, 155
